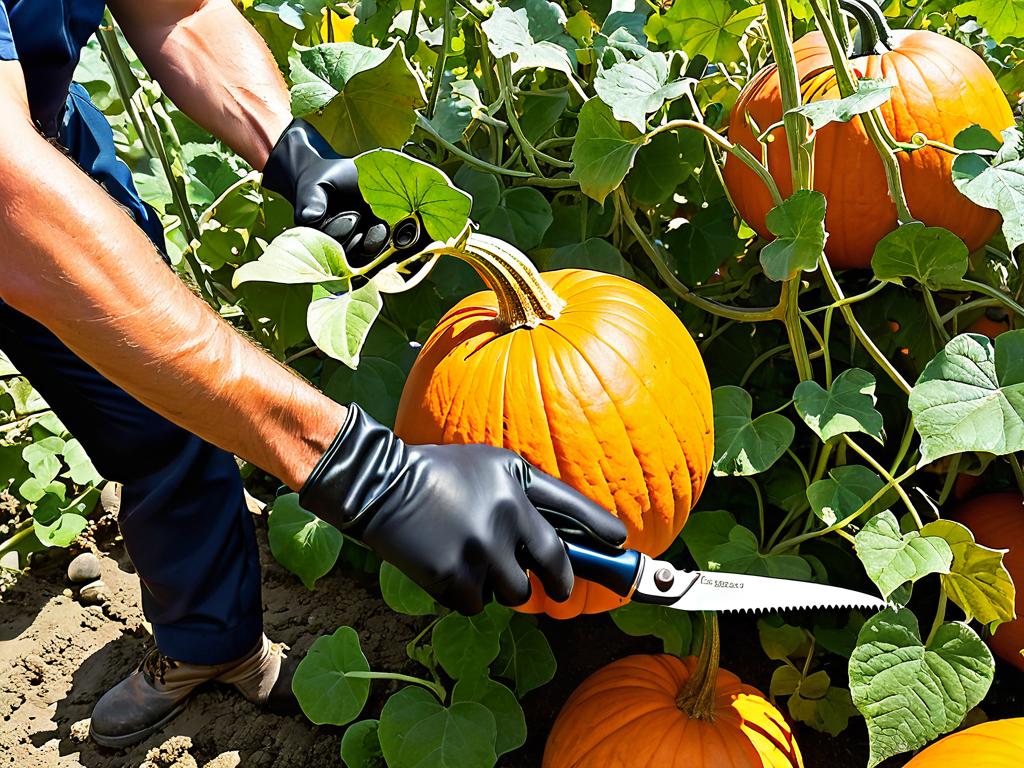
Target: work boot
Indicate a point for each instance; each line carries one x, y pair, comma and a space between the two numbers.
157, 690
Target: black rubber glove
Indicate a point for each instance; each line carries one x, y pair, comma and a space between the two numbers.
462, 521
322, 187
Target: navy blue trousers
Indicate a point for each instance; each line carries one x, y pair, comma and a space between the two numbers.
183, 516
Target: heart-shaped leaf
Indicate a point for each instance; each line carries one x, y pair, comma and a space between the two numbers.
508, 714
892, 558
869, 95
798, 224
360, 746
997, 183
635, 89
843, 492
672, 627
299, 256
847, 406
603, 151
340, 324
932, 256
744, 445
910, 692
531, 36
465, 645
524, 656
710, 28
324, 685
302, 542
404, 595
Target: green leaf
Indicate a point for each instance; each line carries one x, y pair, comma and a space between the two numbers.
302, 542
743, 445
301, 256
970, 397
892, 558
524, 655
80, 466
705, 530
909, 692
324, 683
376, 385
829, 713
60, 532
292, 12
798, 224
417, 731
1001, 18
320, 72
781, 641
396, 185
360, 746
375, 106
465, 645
702, 244
869, 95
740, 554
593, 253
661, 165
520, 216
43, 458
708, 28
515, 33
404, 595
635, 89
603, 151
977, 581
997, 183
672, 627
843, 492
508, 714
932, 256
847, 406
339, 325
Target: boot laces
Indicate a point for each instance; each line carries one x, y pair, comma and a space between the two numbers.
155, 666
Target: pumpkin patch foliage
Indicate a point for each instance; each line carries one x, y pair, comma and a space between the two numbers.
745, 273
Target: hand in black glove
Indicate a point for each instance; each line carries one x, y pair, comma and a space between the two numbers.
462, 521
322, 187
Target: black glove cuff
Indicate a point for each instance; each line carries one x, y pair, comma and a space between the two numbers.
299, 145
361, 463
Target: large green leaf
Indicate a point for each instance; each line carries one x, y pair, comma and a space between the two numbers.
417, 731
1001, 18
516, 33
302, 542
710, 28
798, 224
593, 253
465, 645
702, 244
404, 595
524, 655
360, 746
635, 89
740, 554
847, 406
508, 714
892, 558
397, 185
603, 151
932, 256
60, 531
970, 397
869, 95
997, 183
339, 324
843, 492
520, 216
301, 256
376, 385
977, 581
672, 627
744, 445
910, 692
324, 683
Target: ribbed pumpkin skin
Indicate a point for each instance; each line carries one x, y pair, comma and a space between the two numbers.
996, 744
612, 397
997, 521
625, 716
943, 87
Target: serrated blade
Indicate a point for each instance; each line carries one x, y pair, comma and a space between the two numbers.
661, 583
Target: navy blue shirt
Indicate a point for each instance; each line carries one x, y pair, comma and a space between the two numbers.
47, 37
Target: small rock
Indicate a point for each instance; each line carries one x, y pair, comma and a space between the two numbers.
110, 498
10, 560
225, 760
94, 593
85, 567
67, 593
80, 731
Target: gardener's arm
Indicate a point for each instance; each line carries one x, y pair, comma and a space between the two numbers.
214, 67
74, 261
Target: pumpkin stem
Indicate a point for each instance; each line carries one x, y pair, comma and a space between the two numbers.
875, 33
697, 699
524, 299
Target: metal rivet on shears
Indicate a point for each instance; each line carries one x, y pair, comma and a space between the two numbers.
663, 579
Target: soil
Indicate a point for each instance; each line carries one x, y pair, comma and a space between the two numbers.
57, 656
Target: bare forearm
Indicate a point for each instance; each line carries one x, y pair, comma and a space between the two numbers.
76, 263
214, 67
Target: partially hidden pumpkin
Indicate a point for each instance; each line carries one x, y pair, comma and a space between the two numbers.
997, 521
995, 744
941, 88
587, 375
665, 712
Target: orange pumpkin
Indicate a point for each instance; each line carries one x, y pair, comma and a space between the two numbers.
995, 744
997, 521
666, 712
589, 376
941, 88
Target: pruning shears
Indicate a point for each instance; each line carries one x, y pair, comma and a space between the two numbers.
645, 580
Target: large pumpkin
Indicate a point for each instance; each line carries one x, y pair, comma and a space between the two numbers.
997, 521
941, 88
666, 712
589, 376
995, 744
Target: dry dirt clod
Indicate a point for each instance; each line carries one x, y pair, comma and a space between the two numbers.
173, 753
80, 731
85, 567
225, 760
94, 593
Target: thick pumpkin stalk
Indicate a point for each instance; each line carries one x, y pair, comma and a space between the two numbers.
697, 699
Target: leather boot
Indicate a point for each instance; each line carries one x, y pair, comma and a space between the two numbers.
158, 689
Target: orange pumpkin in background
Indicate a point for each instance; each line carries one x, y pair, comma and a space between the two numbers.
589, 376
941, 88
997, 521
996, 744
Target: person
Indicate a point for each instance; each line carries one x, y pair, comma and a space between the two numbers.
162, 392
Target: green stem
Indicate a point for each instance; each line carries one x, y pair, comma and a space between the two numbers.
1018, 474
437, 80
822, 464
795, 328
940, 617
839, 22
476, 162
967, 306
437, 688
933, 313
789, 86
888, 477
760, 508
759, 360
471, 9
24, 531
412, 40
950, 479
994, 293
530, 152
741, 314
901, 453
